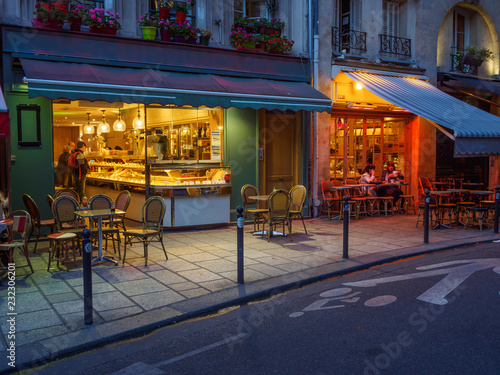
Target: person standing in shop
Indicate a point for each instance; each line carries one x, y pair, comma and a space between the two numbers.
63, 174
80, 173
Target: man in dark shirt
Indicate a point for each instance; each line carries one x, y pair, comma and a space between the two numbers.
80, 173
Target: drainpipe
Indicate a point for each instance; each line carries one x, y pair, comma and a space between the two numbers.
314, 56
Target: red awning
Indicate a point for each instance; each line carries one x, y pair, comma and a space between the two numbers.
4, 117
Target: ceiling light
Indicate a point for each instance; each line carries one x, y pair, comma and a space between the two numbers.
119, 125
138, 122
367, 106
88, 129
103, 125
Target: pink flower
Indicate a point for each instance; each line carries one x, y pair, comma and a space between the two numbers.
99, 19
111, 22
92, 16
91, 11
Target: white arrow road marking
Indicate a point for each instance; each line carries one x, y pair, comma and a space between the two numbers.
454, 277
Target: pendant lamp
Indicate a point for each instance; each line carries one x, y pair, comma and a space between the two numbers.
119, 125
88, 129
138, 122
103, 125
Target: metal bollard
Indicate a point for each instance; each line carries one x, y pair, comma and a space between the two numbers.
497, 202
345, 252
87, 277
240, 221
426, 215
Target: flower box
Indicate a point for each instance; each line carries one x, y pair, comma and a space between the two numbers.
267, 30
250, 46
472, 60
52, 25
104, 30
181, 39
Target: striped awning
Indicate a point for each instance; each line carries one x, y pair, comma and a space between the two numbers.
76, 81
475, 132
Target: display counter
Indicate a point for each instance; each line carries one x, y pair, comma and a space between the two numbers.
194, 193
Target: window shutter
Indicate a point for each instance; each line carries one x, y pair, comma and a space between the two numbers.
390, 10
356, 15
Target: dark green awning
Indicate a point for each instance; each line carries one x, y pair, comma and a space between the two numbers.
74, 81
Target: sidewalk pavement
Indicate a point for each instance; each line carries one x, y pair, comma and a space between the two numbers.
199, 277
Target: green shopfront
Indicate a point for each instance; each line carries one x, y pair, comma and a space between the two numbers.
197, 120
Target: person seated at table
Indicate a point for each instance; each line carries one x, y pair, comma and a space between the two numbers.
391, 175
368, 177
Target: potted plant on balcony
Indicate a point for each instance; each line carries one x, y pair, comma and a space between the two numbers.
475, 57
183, 32
278, 44
50, 16
164, 9
245, 24
182, 8
205, 36
76, 16
269, 27
165, 31
102, 21
149, 24
242, 39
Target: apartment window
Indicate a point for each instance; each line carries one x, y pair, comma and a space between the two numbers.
250, 8
348, 14
460, 30
391, 17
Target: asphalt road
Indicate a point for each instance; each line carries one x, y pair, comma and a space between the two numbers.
435, 314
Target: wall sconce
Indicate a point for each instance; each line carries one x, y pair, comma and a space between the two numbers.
359, 86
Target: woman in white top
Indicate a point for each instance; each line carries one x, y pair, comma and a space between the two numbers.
368, 177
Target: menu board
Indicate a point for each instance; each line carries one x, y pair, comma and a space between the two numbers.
215, 145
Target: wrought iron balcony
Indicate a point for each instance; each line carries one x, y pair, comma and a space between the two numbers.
348, 40
457, 62
395, 45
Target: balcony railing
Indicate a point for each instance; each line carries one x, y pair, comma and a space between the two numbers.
457, 62
395, 45
348, 40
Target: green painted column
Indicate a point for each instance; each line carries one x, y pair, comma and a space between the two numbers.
241, 151
32, 171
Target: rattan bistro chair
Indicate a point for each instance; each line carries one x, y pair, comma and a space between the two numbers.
67, 193
153, 212
297, 199
18, 236
36, 221
101, 202
122, 203
279, 207
248, 191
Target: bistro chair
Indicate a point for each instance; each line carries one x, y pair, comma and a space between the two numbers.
67, 222
50, 201
36, 221
279, 207
153, 212
122, 202
18, 236
297, 199
68, 193
104, 202
257, 213
330, 197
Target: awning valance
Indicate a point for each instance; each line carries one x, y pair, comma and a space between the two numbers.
476, 132
490, 85
4, 117
75, 81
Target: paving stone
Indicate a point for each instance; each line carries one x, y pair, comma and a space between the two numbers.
167, 277
193, 293
199, 275
143, 286
120, 313
33, 320
183, 286
219, 265
111, 300
154, 300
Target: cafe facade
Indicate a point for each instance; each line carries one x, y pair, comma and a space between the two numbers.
190, 123
387, 59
